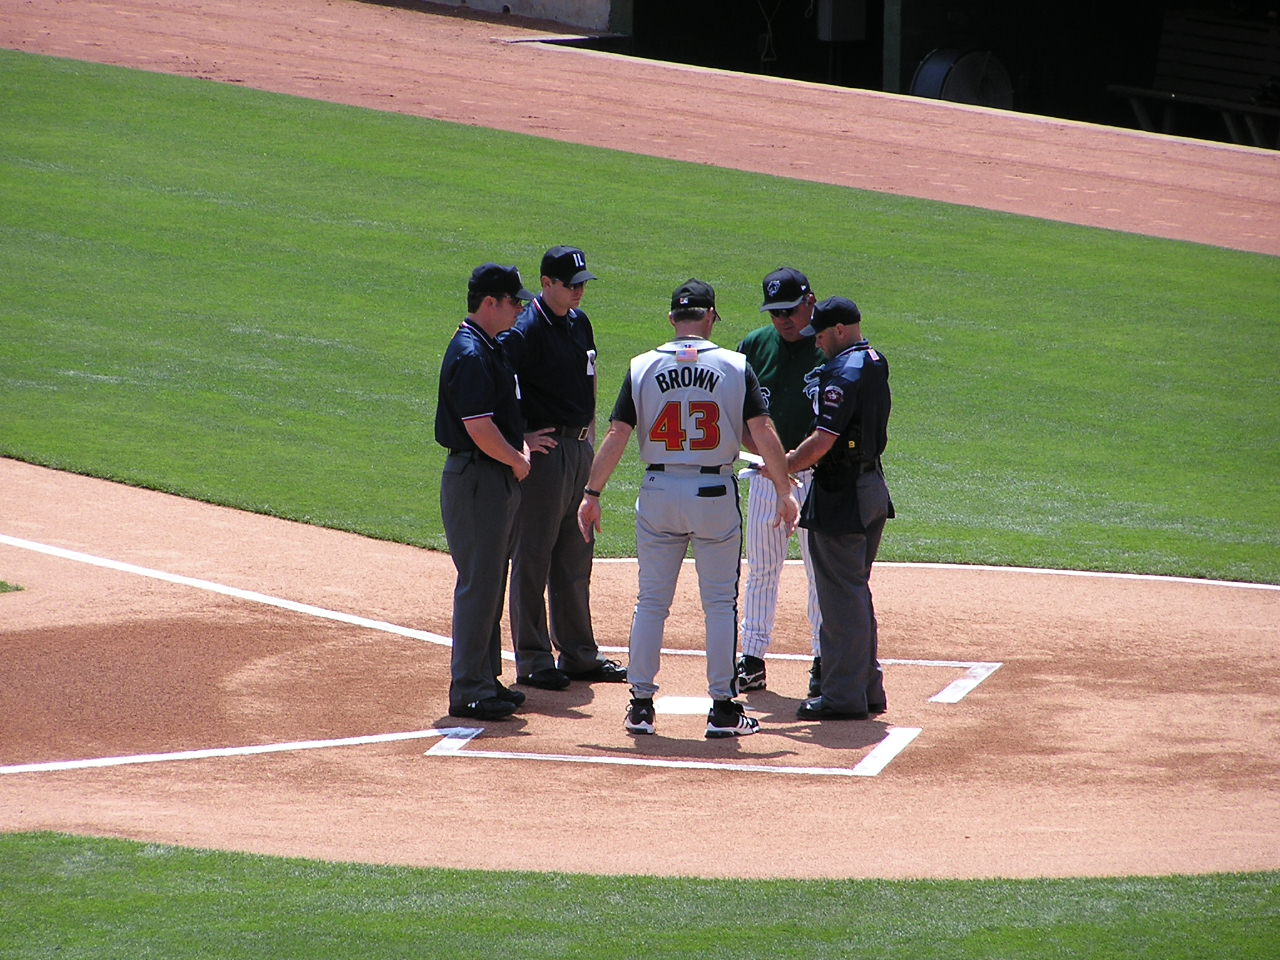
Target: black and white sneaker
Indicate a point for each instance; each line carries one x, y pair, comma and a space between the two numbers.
726, 719
640, 715
750, 673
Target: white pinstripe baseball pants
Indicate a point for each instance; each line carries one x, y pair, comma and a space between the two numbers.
766, 551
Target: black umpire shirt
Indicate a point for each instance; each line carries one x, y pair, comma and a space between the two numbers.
850, 399
555, 358
476, 380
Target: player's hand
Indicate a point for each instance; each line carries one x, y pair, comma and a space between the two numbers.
523, 465
540, 441
788, 513
589, 520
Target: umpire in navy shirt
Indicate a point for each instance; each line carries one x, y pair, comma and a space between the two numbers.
846, 508
553, 349
478, 420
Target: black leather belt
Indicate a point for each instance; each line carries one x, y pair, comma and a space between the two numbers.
659, 467
864, 466
573, 433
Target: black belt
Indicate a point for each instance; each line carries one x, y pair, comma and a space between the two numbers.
659, 467
864, 466
573, 433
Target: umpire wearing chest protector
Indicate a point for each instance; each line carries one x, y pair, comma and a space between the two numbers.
846, 509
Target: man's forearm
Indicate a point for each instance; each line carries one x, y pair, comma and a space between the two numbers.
812, 449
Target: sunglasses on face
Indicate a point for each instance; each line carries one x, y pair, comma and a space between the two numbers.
783, 314
516, 302
572, 286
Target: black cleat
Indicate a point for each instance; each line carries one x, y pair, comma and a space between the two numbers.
750, 673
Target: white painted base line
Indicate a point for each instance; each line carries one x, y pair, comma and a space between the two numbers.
293, 605
895, 741
55, 765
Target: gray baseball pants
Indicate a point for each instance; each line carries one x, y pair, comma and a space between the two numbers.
677, 508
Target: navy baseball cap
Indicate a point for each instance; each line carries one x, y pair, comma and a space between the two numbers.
831, 311
693, 293
785, 288
490, 278
566, 264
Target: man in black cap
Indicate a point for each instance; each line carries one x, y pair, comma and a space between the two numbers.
846, 509
478, 420
553, 350
688, 402
782, 357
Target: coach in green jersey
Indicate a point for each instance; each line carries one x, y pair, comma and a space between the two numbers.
782, 358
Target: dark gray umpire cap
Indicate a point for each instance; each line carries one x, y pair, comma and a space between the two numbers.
693, 294
830, 312
566, 264
785, 288
490, 278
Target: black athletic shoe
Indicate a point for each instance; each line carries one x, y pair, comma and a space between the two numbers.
640, 715
726, 719
510, 696
606, 671
490, 708
750, 673
817, 708
548, 678
815, 678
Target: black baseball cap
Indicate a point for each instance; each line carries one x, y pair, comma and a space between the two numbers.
490, 278
566, 264
785, 288
831, 311
693, 293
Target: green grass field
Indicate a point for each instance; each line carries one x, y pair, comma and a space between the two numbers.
83, 898
244, 297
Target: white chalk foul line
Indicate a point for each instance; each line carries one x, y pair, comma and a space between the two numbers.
895, 741
52, 766
209, 585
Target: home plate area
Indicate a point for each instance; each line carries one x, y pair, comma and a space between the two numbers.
784, 745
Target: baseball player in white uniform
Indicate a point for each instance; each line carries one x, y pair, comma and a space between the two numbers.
783, 358
689, 399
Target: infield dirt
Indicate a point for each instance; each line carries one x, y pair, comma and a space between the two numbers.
1131, 727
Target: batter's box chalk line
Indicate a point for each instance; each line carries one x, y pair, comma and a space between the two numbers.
896, 740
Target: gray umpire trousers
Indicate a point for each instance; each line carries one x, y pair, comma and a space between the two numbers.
851, 674
551, 565
478, 502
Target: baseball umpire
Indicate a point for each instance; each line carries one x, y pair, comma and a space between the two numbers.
478, 420
782, 357
846, 509
690, 400
553, 349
